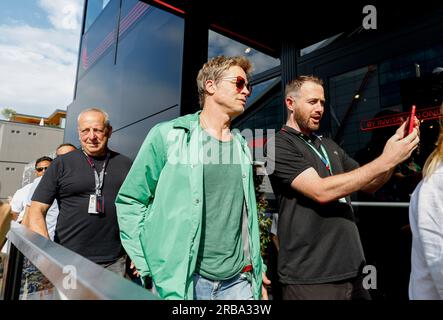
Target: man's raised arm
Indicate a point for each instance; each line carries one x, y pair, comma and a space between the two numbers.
368, 177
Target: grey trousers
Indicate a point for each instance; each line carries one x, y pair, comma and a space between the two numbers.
118, 266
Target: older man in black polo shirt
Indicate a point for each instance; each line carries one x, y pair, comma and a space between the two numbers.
321, 256
85, 183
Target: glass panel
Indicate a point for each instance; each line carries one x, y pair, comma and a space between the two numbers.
343, 101
143, 81
99, 39
95, 7
374, 117
221, 45
270, 111
319, 45
259, 89
435, 51
129, 139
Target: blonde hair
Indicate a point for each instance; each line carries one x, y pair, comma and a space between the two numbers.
436, 156
293, 87
214, 69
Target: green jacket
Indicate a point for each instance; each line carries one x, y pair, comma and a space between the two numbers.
159, 208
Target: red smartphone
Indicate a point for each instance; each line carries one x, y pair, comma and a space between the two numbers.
411, 120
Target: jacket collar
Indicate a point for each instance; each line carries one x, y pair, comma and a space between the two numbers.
186, 121
189, 121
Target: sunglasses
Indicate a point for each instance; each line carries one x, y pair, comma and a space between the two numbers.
240, 83
40, 169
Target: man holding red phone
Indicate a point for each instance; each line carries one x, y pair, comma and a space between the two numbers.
321, 256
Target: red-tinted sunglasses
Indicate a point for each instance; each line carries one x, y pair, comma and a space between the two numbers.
240, 83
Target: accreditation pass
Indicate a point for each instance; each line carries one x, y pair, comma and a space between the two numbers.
92, 207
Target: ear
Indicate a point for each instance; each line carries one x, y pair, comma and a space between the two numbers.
290, 103
109, 132
210, 87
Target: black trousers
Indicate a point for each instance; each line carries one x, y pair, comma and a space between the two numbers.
349, 289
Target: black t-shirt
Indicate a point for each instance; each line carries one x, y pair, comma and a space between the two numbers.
319, 243
70, 180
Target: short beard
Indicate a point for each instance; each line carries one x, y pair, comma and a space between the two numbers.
304, 124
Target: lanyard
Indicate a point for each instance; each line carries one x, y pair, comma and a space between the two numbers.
323, 155
98, 177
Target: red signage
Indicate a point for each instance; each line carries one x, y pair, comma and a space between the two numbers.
399, 118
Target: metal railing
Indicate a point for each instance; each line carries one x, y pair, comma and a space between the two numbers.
380, 204
73, 276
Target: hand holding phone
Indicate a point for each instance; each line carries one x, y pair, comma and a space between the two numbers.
411, 120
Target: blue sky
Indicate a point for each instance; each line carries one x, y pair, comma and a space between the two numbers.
39, 42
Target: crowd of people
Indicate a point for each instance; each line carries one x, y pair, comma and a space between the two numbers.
183, 214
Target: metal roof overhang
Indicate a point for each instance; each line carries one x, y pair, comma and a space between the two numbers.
264, 25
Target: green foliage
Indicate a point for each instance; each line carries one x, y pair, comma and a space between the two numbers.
265, 222
264, 218
8, 113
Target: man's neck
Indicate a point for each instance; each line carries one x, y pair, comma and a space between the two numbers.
294, 125
216, 123
97, 154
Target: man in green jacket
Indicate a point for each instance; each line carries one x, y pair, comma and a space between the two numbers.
187, 210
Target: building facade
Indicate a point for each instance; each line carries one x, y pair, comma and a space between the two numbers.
20, 145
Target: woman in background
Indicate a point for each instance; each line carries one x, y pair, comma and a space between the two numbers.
426, 220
